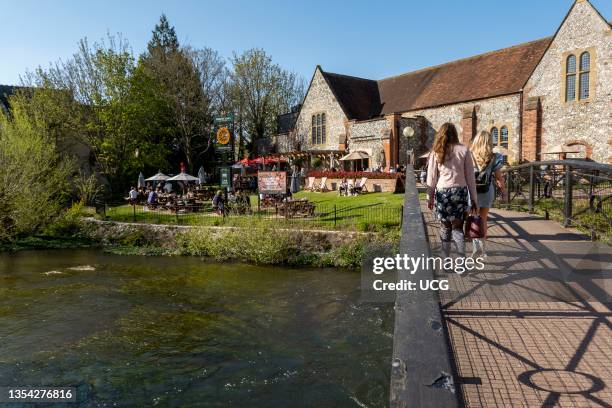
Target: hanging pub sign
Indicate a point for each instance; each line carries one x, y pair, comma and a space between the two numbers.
223, 139
272, 182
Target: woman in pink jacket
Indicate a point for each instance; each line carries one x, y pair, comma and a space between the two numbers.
450, 180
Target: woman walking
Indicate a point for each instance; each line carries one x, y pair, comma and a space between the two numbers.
450, 180
488, 165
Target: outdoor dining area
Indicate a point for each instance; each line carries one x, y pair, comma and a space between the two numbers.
179, 193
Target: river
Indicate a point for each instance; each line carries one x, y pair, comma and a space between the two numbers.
182, 331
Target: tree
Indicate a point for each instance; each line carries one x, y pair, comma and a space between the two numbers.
179, 80
261, 90
33, 175
100, 97
164, 41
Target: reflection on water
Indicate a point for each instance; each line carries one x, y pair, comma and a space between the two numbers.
141, 331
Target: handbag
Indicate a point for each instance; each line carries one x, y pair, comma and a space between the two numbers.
473, 227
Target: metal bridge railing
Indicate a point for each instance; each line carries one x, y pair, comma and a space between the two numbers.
576, 193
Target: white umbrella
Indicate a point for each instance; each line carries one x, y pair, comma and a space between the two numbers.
183, 177
141, 180
158, 177
202, 175
355, 156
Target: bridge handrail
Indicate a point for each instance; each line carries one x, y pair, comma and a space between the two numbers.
421, 373
572, 163
578, 192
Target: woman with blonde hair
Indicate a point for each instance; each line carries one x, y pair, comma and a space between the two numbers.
488, 166
450, 180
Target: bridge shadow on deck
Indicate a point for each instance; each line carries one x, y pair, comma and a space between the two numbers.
533, 328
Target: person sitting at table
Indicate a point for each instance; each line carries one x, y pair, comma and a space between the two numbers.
133, 196
168, 187
218, 203
152, 198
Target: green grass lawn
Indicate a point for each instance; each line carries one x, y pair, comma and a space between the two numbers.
367, 212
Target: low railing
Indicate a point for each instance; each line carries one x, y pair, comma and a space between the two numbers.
576, 193
300, 214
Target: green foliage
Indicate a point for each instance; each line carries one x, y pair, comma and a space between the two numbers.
257, 246
317, 162
33, 176
87, 188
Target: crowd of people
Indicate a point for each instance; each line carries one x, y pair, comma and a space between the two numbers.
462, 180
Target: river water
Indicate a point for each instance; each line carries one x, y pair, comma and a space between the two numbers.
181, 331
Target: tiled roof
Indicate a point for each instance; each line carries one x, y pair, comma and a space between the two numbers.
358, 97
492, 74
286, 122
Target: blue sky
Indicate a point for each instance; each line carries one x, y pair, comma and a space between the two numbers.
371, 39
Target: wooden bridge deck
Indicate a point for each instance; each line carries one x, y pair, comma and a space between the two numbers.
534, 327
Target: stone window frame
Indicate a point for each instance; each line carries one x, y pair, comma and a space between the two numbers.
577, 53
499, 142
313, 138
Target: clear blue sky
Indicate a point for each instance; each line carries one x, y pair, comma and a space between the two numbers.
370, 39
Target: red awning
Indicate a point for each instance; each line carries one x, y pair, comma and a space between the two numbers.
269, 160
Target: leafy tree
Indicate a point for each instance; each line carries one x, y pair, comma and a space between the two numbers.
33, 175
260, 90
109, 104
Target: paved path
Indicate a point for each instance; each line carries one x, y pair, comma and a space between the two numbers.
534, 328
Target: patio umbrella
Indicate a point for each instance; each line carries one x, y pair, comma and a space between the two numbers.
183, 177
355, 156
141, 181
158, 177
295, 182
202, 175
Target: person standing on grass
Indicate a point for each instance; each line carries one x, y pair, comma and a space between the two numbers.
218, 203
488, 165
450, 184
133, 195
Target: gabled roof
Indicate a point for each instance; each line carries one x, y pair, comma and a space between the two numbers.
286, 122
496, 73
358, 97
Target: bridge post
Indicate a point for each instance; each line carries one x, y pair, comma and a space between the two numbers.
531, 189
567, 206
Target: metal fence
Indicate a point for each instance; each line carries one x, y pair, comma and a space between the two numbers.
307, 215
574, 192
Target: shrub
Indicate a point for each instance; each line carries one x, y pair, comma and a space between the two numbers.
265, 246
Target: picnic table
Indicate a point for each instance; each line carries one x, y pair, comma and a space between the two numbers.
296, 208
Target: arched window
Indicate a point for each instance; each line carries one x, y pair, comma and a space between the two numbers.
503, 142
570, 78
500, 138
585, 68
495, 136
318, 129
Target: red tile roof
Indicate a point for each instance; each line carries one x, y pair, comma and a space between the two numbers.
492, 74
